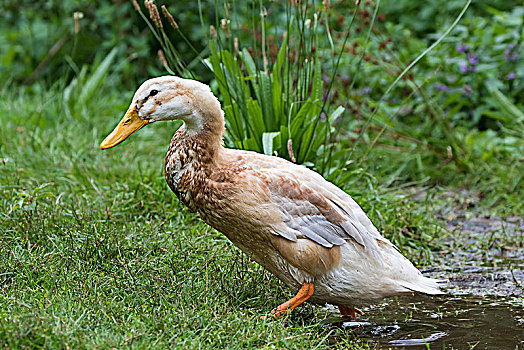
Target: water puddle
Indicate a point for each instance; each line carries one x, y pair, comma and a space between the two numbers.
444, 322
483, 307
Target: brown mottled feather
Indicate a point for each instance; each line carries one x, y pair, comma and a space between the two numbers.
266, 201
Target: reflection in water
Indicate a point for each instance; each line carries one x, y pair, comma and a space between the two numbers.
443, 322
421, 341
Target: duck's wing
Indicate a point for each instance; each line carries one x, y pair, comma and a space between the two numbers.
313, 208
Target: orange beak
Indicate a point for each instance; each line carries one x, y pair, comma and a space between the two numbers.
129, 124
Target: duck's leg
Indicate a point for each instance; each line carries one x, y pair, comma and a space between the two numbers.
303, 294
349, 312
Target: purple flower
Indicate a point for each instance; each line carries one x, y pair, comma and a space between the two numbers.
510, 76
344, 79
473, 58
464, 67
472, 69
328, 97
441, 87
511, 53
326, 78
462, 48
367, 90
323, 116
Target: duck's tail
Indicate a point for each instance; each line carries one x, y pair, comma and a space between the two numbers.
424, 285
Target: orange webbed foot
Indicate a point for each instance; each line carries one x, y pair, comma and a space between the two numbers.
303, 294
349, 312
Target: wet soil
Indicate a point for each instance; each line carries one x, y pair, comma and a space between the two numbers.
483, 308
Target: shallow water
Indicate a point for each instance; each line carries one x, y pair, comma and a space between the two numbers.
483, 309
484, 304
444, 322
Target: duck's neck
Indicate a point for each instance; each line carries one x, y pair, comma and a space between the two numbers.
201, 147
193, 152
206, 125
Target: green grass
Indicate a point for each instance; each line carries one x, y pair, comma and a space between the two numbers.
96, 252
104, 255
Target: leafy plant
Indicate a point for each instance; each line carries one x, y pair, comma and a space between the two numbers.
28, 200
273, 91
48, 40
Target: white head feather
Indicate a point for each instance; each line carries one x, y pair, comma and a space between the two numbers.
169, 97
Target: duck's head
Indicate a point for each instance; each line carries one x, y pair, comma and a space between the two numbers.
169, 98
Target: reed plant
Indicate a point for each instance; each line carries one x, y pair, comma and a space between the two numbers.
275, 70
273, 74
292, 84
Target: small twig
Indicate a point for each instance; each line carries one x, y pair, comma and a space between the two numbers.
56, 47
448, 159
290, 150
516, 281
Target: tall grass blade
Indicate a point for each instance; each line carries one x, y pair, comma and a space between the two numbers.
95, 80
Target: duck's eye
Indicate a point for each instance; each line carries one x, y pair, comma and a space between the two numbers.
153, 92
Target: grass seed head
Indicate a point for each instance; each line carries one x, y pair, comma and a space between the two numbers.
290, 150
155, 16
326, 5
169, 17
77, 16
162, 58
135, 5
153, 13
224, 24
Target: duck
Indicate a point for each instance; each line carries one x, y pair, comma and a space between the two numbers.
300, 227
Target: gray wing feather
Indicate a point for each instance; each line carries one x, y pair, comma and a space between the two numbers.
331, 233
288, 234
316, 236
317, 228
304, 230
354, 227
351, 231
303, 218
